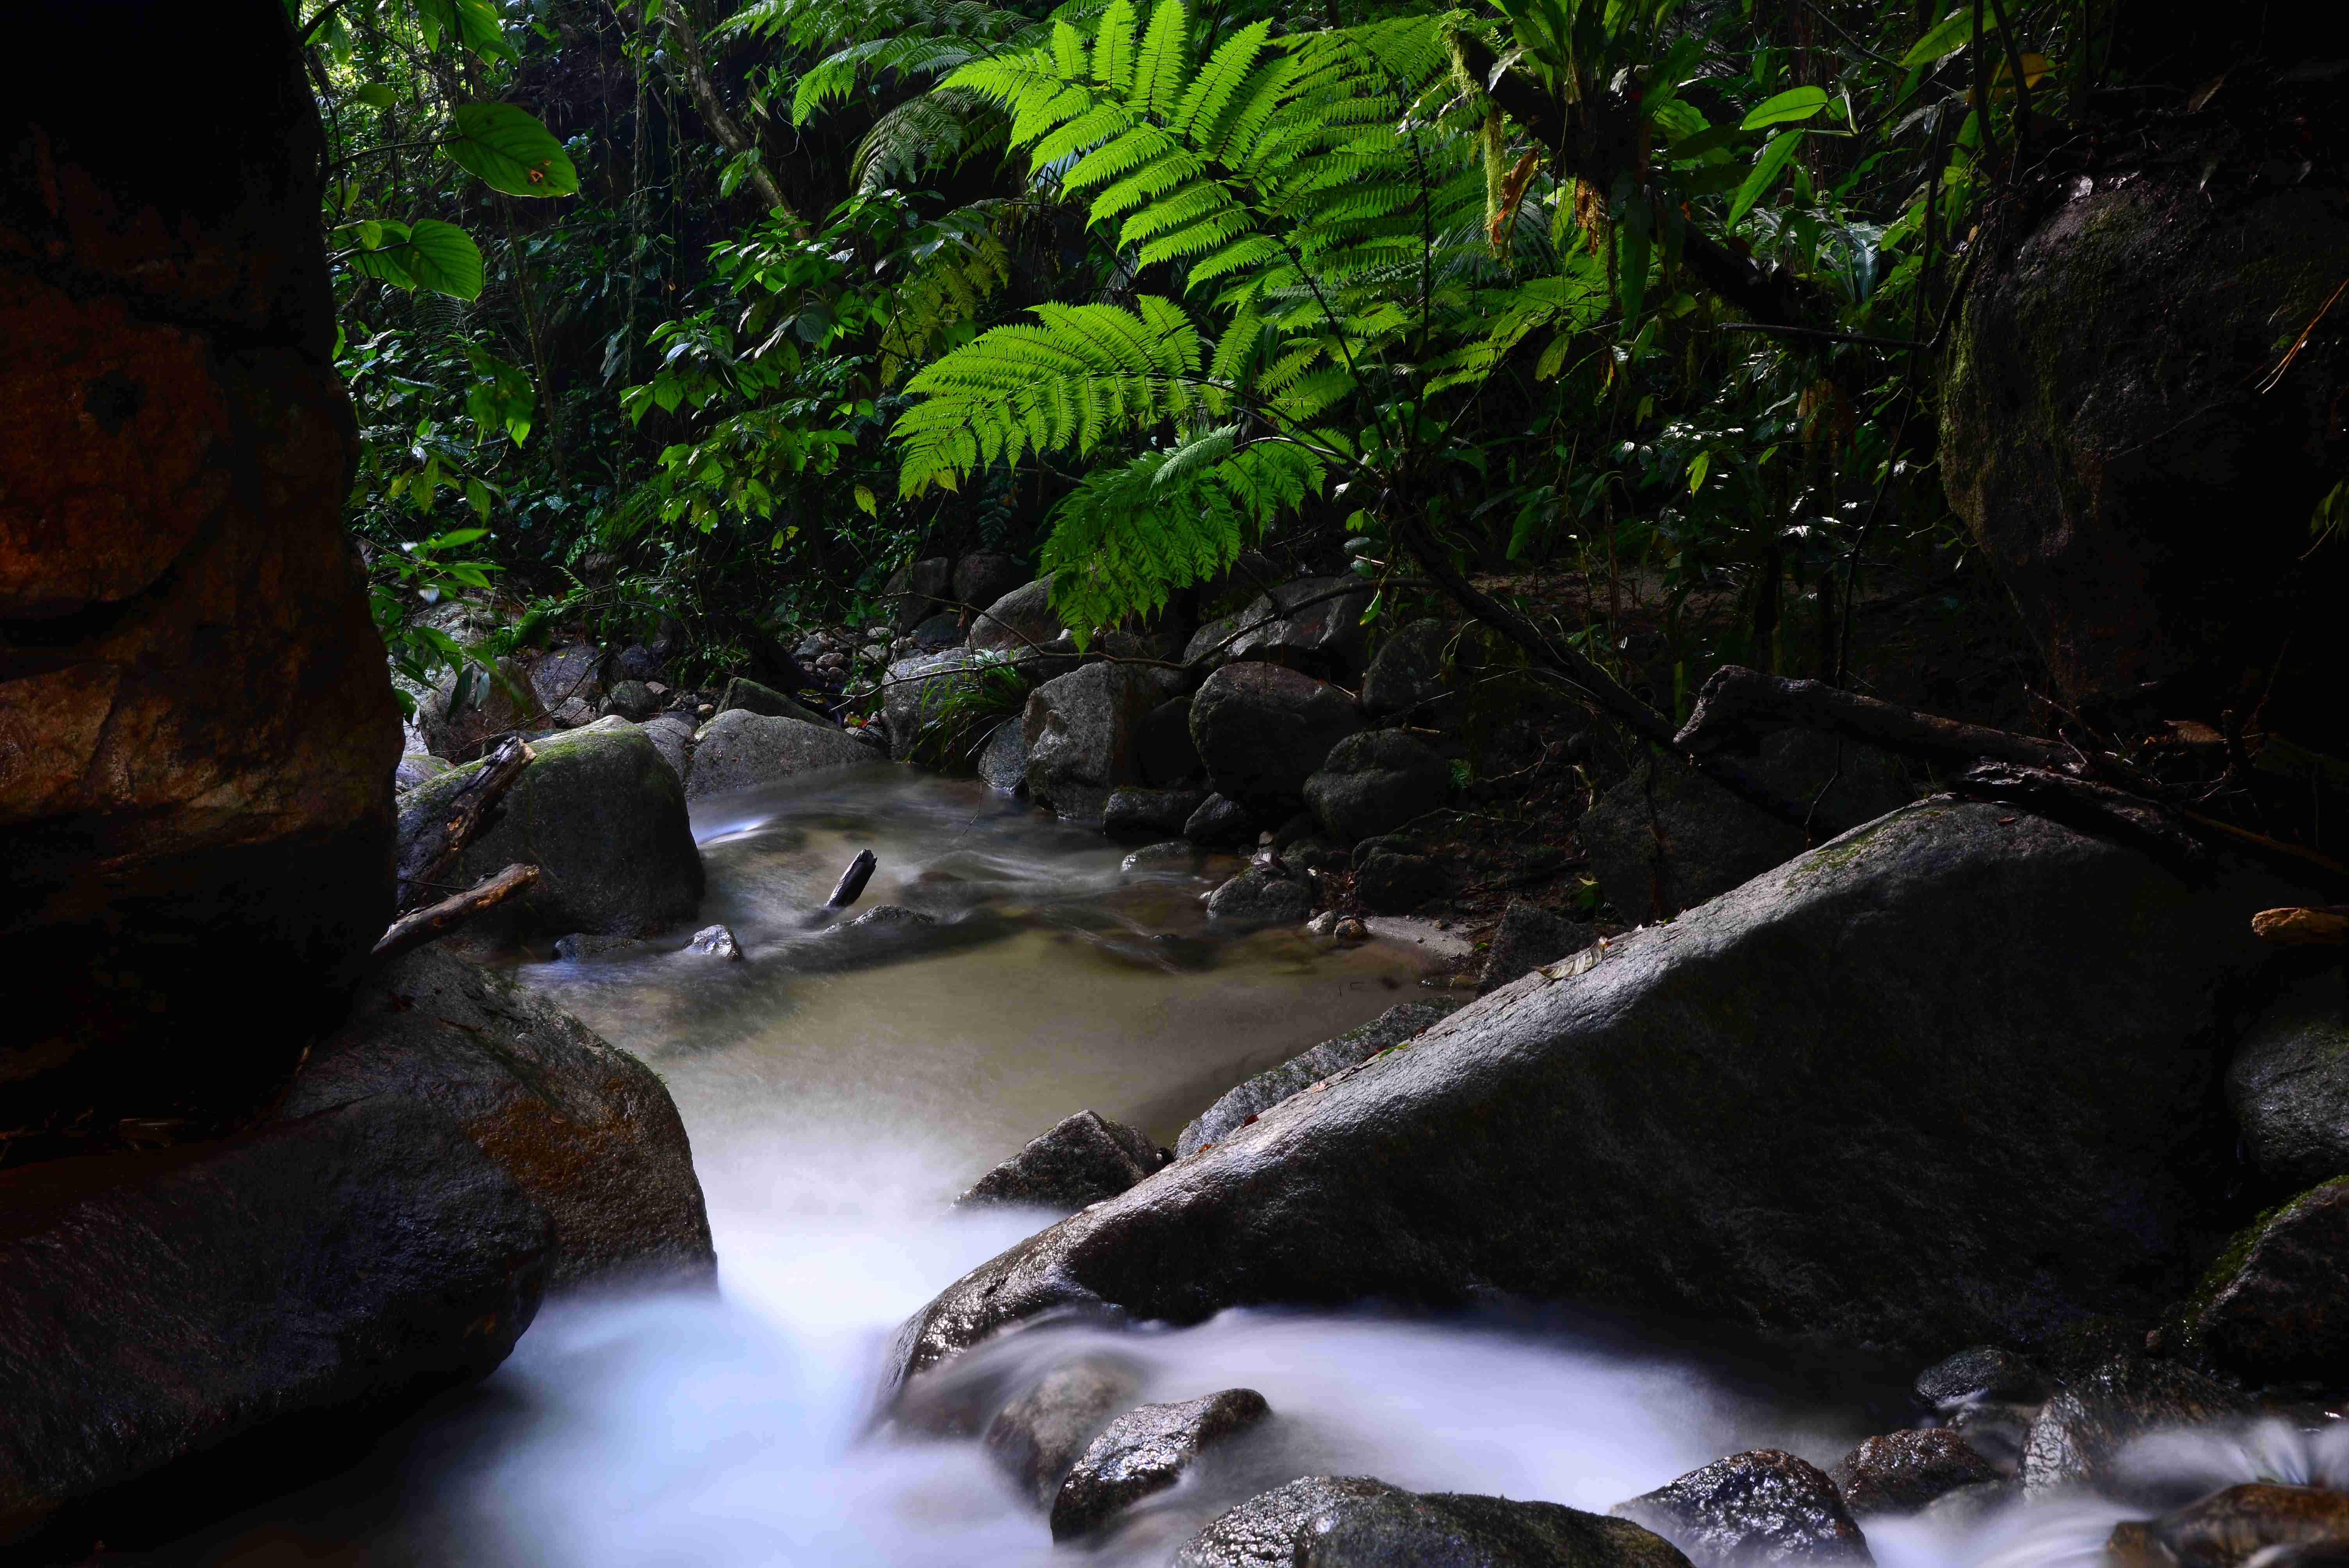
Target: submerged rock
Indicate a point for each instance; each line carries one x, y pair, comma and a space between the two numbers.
1144, 1451
2230, 1527
1376, 782
1763, 1507
1167, 852
1262, 896
1900, 1472
715, 942
1528, 937
1262, 731
1353, 1521
2083, 1427
2273, 1309
741, 750
1036, 1439
2289, 1086
1080, 1160
1267, 1089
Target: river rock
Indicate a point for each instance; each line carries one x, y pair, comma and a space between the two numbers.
1374, 783
415, 769
938, 633
1954, 966
1080, 729
1163, 752
586, 1129
1035, 1440
1900, 1472
1220, 824
1406, 680
602, 817
1762, 1506
2230, 1527
325, 1272
672, 735
1242, 1104
1998, 1429
637, 662
916, 692
1135, 814
1981, 1372
1209, 649
1080, 1160
1144, 1451
885, 933
567, 675
1003, 760
2289, 1086
913, 591
631, 700
1020, 623
982, 580
1286, 626
1389, 883
741, 750
2083, 1428
1262, 730
1528, 937
1354, 1522
715, 942
745, 694
1171, 852
1262, 895
2272, 1310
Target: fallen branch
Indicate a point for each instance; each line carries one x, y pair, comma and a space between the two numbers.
2093, 808
433, 853
848, 889
2296, 927
1739, 706
413, 931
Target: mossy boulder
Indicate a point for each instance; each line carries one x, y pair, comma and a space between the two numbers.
1354, 1522
2271, 1309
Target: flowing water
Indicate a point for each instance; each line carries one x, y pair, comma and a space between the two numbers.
834, 1112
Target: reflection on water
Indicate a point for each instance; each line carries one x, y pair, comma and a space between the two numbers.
838, 1094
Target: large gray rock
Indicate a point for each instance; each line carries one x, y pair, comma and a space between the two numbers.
1375, 782
601, 817
1261, 895
2273, 1309
913, 591
1528, 937
1763, 1507
1080, 729
1267, 1089
1082, 1160
569, 674
1659, 847
1262, 730
1299, 624
740, 749
586, 1128
1901, 1472
915, 691
1003, 762
983, 579
2083, 1429
1672, 1128
1353, 1521
1145, 1451
1405, 680
1020, 623
672, 735
742, 693
631, 700
1036, 1439
2289, 1086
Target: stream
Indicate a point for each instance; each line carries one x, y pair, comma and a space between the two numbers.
835, 1112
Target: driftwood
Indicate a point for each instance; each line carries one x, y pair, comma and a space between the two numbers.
2092, 808
1738, 705
849, 889
2325, 926
413, 931
432, 854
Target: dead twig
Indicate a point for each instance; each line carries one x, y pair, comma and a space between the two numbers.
413, 931
435, 851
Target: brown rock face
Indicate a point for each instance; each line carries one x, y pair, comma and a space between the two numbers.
196, 730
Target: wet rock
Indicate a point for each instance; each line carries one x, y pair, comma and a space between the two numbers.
1981, 1372
2230, 1527
1262, 896
1900, 1472
1406, 680
1353, 1521
1003, 760
746, 696
1996, 1430
715, 942
1528, 937
568, 674
740, 749
415, 770
2289, 1086
1134, 814
1374, 783
1954, 965
1020, 623
1080, 729
939, 631
603, 820
984, 578
2271, 1309
1262, 730
672, 735
580, 945
1145, 1451
913, 593
1036, 1439
637, 662
916, 692
2083, 1426
1315, 855
885, 933
1762, 1506
1297, 625
1390, 883
1163, 753
1209, 649
154, 1307
1082, 1161
576, 713
1172, 852
586, 1129
1221, 824
631, 700
1300, 1072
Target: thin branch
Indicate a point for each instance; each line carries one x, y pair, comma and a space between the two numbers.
413, 931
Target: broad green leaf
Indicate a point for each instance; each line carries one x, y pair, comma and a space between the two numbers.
1766, 169
1698, 470
382, 250
511, 150
375, 95
1690, 149
866, 502
473, 22
1794, 104
443, 258
476, 495
1951, 34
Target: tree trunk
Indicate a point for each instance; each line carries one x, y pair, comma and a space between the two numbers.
723, 125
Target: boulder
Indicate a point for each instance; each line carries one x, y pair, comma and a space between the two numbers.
1978, 1373
744, 695
1389, 883
1667, 838
637, 662
1163, 752
1353, 1521
1134, 815
571, 673
741, 750
338, 1267
197, 731
2271, 1308
2289, 1086
914, 593
1670, 1129
1240, 1106
1003, 760
415, 769
1300, 625
1406, 680
1262, 895
2083, 1428
915, 692
631, 700
1763, 1507
672, 735
938, 633
1080, 1160
576, 713
1080, 729
1145, 1451
1172, 852
2229, 1527
1020, 623
1262, 730
1528, 937
601, 817
1375, 782
1901, 1472
1036, 1439
1209, 649
1220, 824
983, 579
586, 1129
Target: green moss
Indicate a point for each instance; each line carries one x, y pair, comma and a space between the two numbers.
2231, 1259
